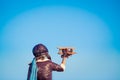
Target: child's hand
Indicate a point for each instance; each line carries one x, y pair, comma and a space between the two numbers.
66, 53
65, 56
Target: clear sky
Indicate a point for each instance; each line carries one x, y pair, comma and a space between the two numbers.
91, 26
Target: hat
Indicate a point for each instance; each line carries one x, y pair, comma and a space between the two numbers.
39, 50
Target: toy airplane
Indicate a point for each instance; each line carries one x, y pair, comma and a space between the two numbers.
66, 50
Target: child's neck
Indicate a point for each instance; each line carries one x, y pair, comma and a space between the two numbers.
40, 60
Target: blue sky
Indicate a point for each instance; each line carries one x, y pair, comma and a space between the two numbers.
91, 26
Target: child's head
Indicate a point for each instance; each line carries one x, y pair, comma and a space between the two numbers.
41, 51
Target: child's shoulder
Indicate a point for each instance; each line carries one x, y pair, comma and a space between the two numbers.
30, 63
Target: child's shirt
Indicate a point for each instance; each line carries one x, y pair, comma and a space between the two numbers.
45, 70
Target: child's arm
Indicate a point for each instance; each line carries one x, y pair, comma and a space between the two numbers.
63, 63
29, 71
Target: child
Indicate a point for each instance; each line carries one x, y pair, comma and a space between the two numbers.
41, 67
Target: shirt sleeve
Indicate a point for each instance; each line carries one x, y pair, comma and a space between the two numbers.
63, 66
57, 67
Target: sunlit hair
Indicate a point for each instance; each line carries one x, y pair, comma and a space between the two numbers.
40, 51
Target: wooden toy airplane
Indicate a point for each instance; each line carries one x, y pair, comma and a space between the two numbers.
66, 50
